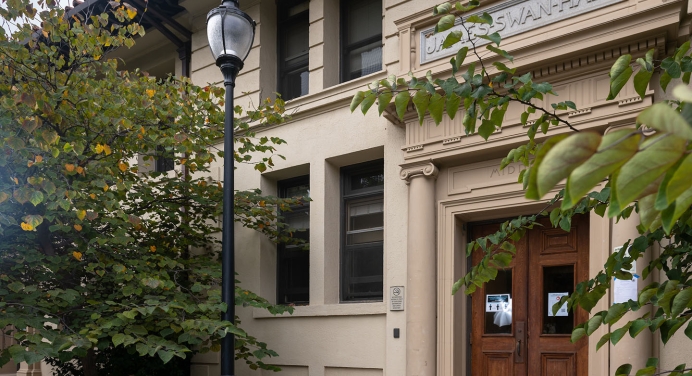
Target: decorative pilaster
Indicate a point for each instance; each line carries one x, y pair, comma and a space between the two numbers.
421, 302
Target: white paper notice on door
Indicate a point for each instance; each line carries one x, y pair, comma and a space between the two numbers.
624, 290
497, 302
554, 298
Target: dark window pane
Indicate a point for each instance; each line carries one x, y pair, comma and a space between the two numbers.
367, 180
363, 269
365, 60
293, 261
293, 29
498, 304
163, 161
361, 38
557, 282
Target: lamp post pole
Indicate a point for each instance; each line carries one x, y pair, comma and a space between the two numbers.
230, 32
229, 69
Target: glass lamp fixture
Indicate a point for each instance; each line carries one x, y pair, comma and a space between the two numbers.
230, 32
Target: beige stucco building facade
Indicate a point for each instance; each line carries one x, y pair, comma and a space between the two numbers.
438, 184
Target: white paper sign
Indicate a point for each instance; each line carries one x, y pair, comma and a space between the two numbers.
496, 302
624, 290
554, 298
396, 298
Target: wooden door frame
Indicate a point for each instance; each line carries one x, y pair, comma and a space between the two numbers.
453, 215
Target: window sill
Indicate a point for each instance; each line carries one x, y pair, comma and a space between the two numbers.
332, 95
345, 309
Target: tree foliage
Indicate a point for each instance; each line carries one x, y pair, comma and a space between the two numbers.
646, 169
94, 253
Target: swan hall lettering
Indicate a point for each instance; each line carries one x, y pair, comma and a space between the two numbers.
510, 18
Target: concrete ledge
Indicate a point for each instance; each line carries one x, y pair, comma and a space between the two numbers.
345, 309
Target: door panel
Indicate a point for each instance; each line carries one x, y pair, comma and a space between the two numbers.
531, 340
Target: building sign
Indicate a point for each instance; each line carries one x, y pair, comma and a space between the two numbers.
396, 298
509, 18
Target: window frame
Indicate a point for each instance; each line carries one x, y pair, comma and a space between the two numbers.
348, 196
345, 50
283, 186
283, 69
162, 163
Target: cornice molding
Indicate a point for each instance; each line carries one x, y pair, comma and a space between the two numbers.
425, 169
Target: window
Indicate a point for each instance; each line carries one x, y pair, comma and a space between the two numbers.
293, 30
363, 229
163, 162
361, 38
293, 261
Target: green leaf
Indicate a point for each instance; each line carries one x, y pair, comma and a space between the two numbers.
452, 38
436, 107
367, 102
494, 37
641, 81
443, 8
665, 80
453, 101
665, 119
677, 183
688, 330
357, 99
669, 328
118, 339
563, 158
593, 324
484, 18
604, 339
445, 23
165, 355
681, 301
577, 334
460, 57
623, 370
36, 197
637, 327
615, 312
383, 101
671, 67
615, 150
656, 155
401, 102
486, 129
647, 211
500, 52
421, 100
620, 72
617, 335
532, 188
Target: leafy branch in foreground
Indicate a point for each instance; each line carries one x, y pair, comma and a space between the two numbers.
644, 169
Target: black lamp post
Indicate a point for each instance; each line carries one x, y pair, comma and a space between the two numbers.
230, 32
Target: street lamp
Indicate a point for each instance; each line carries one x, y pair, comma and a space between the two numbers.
230, 32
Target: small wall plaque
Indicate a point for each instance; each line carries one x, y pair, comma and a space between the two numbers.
396, 298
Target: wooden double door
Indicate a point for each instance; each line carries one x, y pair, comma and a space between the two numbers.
513, 329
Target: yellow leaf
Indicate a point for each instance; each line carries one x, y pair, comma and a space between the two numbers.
107, 149
122, 166
183, 161
78, 227
81, 214
152, 248
262, 204
105, 188
93, 196
29, 163
27, 227
131, 13
45, 33
98, 149
69, 167
38, 159
80, 170
77, 255
97, 57
16, 181
151, 92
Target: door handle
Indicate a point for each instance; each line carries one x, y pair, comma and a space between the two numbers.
520, 337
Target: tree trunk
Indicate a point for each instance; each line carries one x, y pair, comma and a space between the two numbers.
89, 366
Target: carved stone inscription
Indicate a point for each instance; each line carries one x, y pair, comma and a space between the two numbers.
465, 179
510, 18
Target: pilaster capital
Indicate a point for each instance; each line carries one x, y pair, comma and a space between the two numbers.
425, 169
